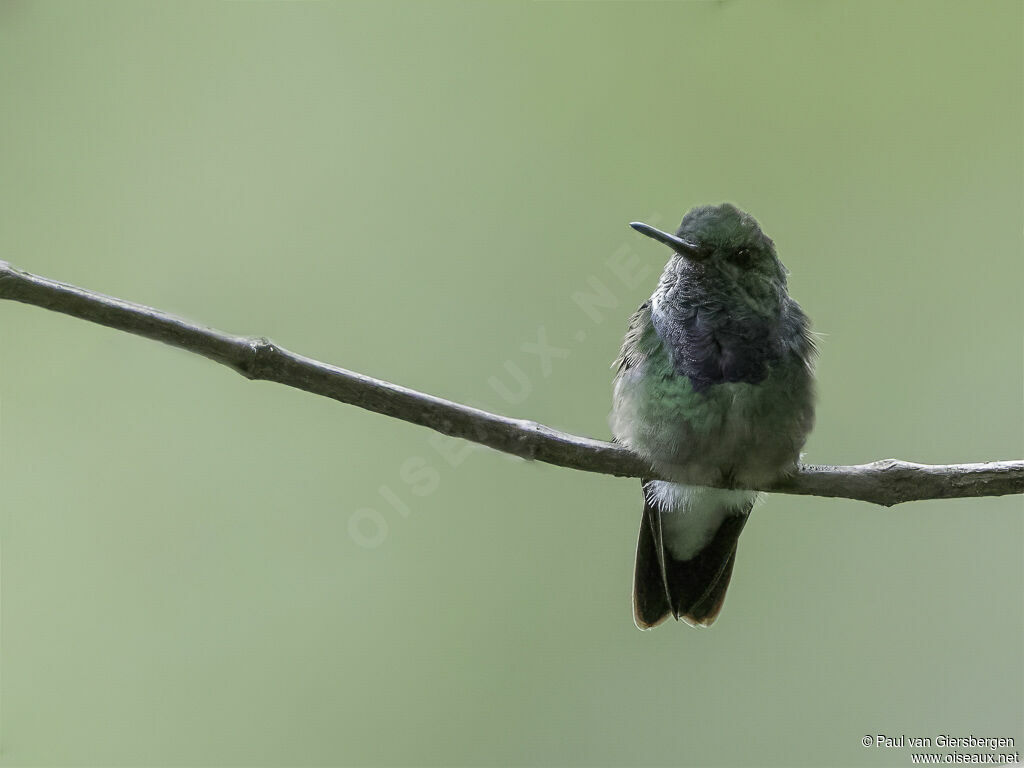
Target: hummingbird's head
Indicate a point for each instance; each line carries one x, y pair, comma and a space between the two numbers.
725, 239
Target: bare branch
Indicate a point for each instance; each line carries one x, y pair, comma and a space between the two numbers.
884, 482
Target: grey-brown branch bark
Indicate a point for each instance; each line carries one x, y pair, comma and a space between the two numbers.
884, 482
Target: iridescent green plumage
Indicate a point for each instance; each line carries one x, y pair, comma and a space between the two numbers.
714, 385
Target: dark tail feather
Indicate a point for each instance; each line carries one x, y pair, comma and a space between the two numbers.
698, 586
694, 589
650, 593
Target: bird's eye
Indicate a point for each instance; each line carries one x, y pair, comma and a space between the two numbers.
743, 257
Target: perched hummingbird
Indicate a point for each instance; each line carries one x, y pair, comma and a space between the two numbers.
715, 385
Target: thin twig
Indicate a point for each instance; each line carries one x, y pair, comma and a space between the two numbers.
884, 482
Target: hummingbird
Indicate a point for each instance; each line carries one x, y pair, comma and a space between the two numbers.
715, 389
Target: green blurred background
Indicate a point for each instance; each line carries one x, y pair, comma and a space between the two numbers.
202, 571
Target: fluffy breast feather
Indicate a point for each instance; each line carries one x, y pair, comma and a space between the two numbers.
748, 432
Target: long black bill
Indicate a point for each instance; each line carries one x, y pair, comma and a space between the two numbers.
680, 246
